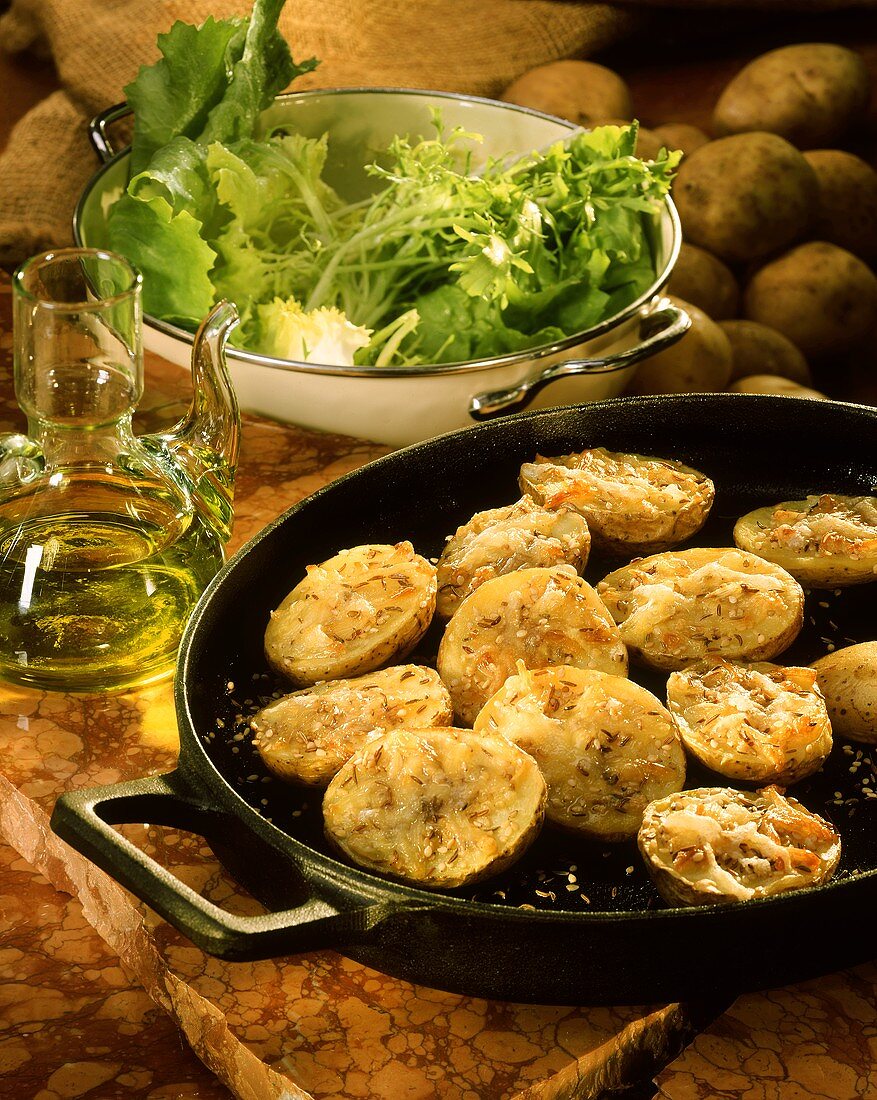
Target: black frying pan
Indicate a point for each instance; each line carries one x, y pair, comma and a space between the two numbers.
524, 936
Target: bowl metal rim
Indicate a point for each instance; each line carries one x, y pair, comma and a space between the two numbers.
525, 356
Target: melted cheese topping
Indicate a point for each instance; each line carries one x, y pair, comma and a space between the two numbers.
716, 844
683, 605
440, 807
627, 499
307, 736
606, 746
352, 613
501, 540
759, 722
825, 526
538, 616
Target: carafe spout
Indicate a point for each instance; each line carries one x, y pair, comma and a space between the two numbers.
204, 445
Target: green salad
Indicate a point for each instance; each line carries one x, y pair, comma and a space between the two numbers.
440, 265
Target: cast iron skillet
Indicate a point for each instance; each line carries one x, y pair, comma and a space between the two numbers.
572, 922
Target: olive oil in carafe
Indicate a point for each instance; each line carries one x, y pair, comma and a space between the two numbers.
89, 599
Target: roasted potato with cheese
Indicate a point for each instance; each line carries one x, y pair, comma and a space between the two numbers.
687, 605
436, 807
307, 736
761, 723
848, 680
716, 845
353, 613
501, 540
606, 746
538, 616
825, 541
634, 504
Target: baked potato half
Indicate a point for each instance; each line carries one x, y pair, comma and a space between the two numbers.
307, 736
848, 680
824, 541
715, 845
687, 605
606, 746
441, 808
353, 613
499, 541
634, 504
538, 616
760, 722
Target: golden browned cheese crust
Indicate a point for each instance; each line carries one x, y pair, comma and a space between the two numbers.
823, 541
688, 605
634, 504
440, 808
353, 613
538, 616
307, 736
716, 845
606, 746
520, 536
761, 722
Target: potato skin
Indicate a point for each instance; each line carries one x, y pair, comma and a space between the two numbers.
847, 207
823, 298
702, 279
745, 196
809, 94
580, 91
758, 349
848, 680
698, 363
774, 384
679, 135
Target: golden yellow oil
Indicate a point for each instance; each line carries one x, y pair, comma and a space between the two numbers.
91, 601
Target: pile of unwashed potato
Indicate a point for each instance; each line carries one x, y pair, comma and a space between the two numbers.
779, 223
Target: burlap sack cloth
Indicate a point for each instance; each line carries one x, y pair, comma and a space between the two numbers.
98, 46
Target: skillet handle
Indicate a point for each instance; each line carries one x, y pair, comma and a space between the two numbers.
662, 326
97, 130
85, 819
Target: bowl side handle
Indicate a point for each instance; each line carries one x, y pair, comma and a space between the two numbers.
662, 325
97, 130
85, 820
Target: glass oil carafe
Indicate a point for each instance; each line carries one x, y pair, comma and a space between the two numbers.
107, 539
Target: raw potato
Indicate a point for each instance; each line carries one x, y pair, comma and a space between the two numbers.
848, 679
606, 746
634, 504
441, 808
823, 541
538, 616
702, 279
758, 350
746, 196
580, 91
758, 723
307, 736
501, 540
355, 612
823, 298
687, 605
715, 845
679, 135
847, 209
809, 94
772, 383
698, 363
